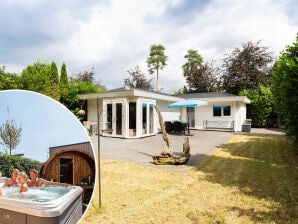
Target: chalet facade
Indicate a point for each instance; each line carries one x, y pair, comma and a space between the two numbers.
130, 113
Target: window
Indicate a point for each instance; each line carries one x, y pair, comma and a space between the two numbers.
217, 111
144, 120
226, 110
132, 118
109, 116
118, 118
151, 118
221, 110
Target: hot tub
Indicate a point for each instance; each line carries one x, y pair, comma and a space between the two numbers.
41, 205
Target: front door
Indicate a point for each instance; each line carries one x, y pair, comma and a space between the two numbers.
66, 170
191, 116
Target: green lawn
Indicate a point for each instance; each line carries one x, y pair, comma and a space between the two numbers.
251, 179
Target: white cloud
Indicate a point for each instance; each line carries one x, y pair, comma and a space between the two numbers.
115, 36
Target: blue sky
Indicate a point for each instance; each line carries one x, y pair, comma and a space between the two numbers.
45, 123
114, 36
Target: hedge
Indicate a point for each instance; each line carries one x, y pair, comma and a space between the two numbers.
10, 162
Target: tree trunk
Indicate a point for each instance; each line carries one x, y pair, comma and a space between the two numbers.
166, 157
169, 150
174, 160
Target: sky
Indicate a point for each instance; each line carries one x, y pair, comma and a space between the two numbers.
114, 36
45, 123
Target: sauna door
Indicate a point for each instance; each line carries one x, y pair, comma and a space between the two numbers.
66, 170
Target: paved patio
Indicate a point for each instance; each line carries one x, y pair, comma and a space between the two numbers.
140, 151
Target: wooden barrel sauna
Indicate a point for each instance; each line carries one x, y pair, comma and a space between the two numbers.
73, 164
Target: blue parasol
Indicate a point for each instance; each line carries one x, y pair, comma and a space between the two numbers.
187, 103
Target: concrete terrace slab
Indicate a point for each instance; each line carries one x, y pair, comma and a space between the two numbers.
140, 151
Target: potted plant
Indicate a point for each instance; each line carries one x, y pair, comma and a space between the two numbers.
248, 121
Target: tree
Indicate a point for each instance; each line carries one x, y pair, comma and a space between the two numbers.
54, 82
190, 69
285, 91
199, 77
81, 83
10, 134
194, 61
85, 83
75, 88
261, 108
63, 84
181, 91
87, 76
36, 78
8, 80
156, 61
246, 68
202, 79
137, 79
86, 87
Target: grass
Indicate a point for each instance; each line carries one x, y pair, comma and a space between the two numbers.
251, 179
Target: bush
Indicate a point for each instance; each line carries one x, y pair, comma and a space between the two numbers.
285, 91
261, 109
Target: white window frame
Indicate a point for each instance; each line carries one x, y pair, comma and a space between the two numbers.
222, 110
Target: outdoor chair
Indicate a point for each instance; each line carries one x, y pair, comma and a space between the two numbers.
168, 126
178, 127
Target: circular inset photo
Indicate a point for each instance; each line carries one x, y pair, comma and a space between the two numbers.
47, 164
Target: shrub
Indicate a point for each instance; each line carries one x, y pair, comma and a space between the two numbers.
261, 109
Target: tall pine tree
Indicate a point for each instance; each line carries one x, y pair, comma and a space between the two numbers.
156, 61
63, 85
54, 82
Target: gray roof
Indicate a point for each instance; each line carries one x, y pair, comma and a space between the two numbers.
144, 90
206, 95
125, 92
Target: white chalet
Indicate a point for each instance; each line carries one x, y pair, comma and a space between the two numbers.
130, 113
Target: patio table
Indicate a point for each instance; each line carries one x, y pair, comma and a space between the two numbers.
177, 126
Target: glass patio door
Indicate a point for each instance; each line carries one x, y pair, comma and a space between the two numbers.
132, 119
147, 118
118, 117
114, 118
